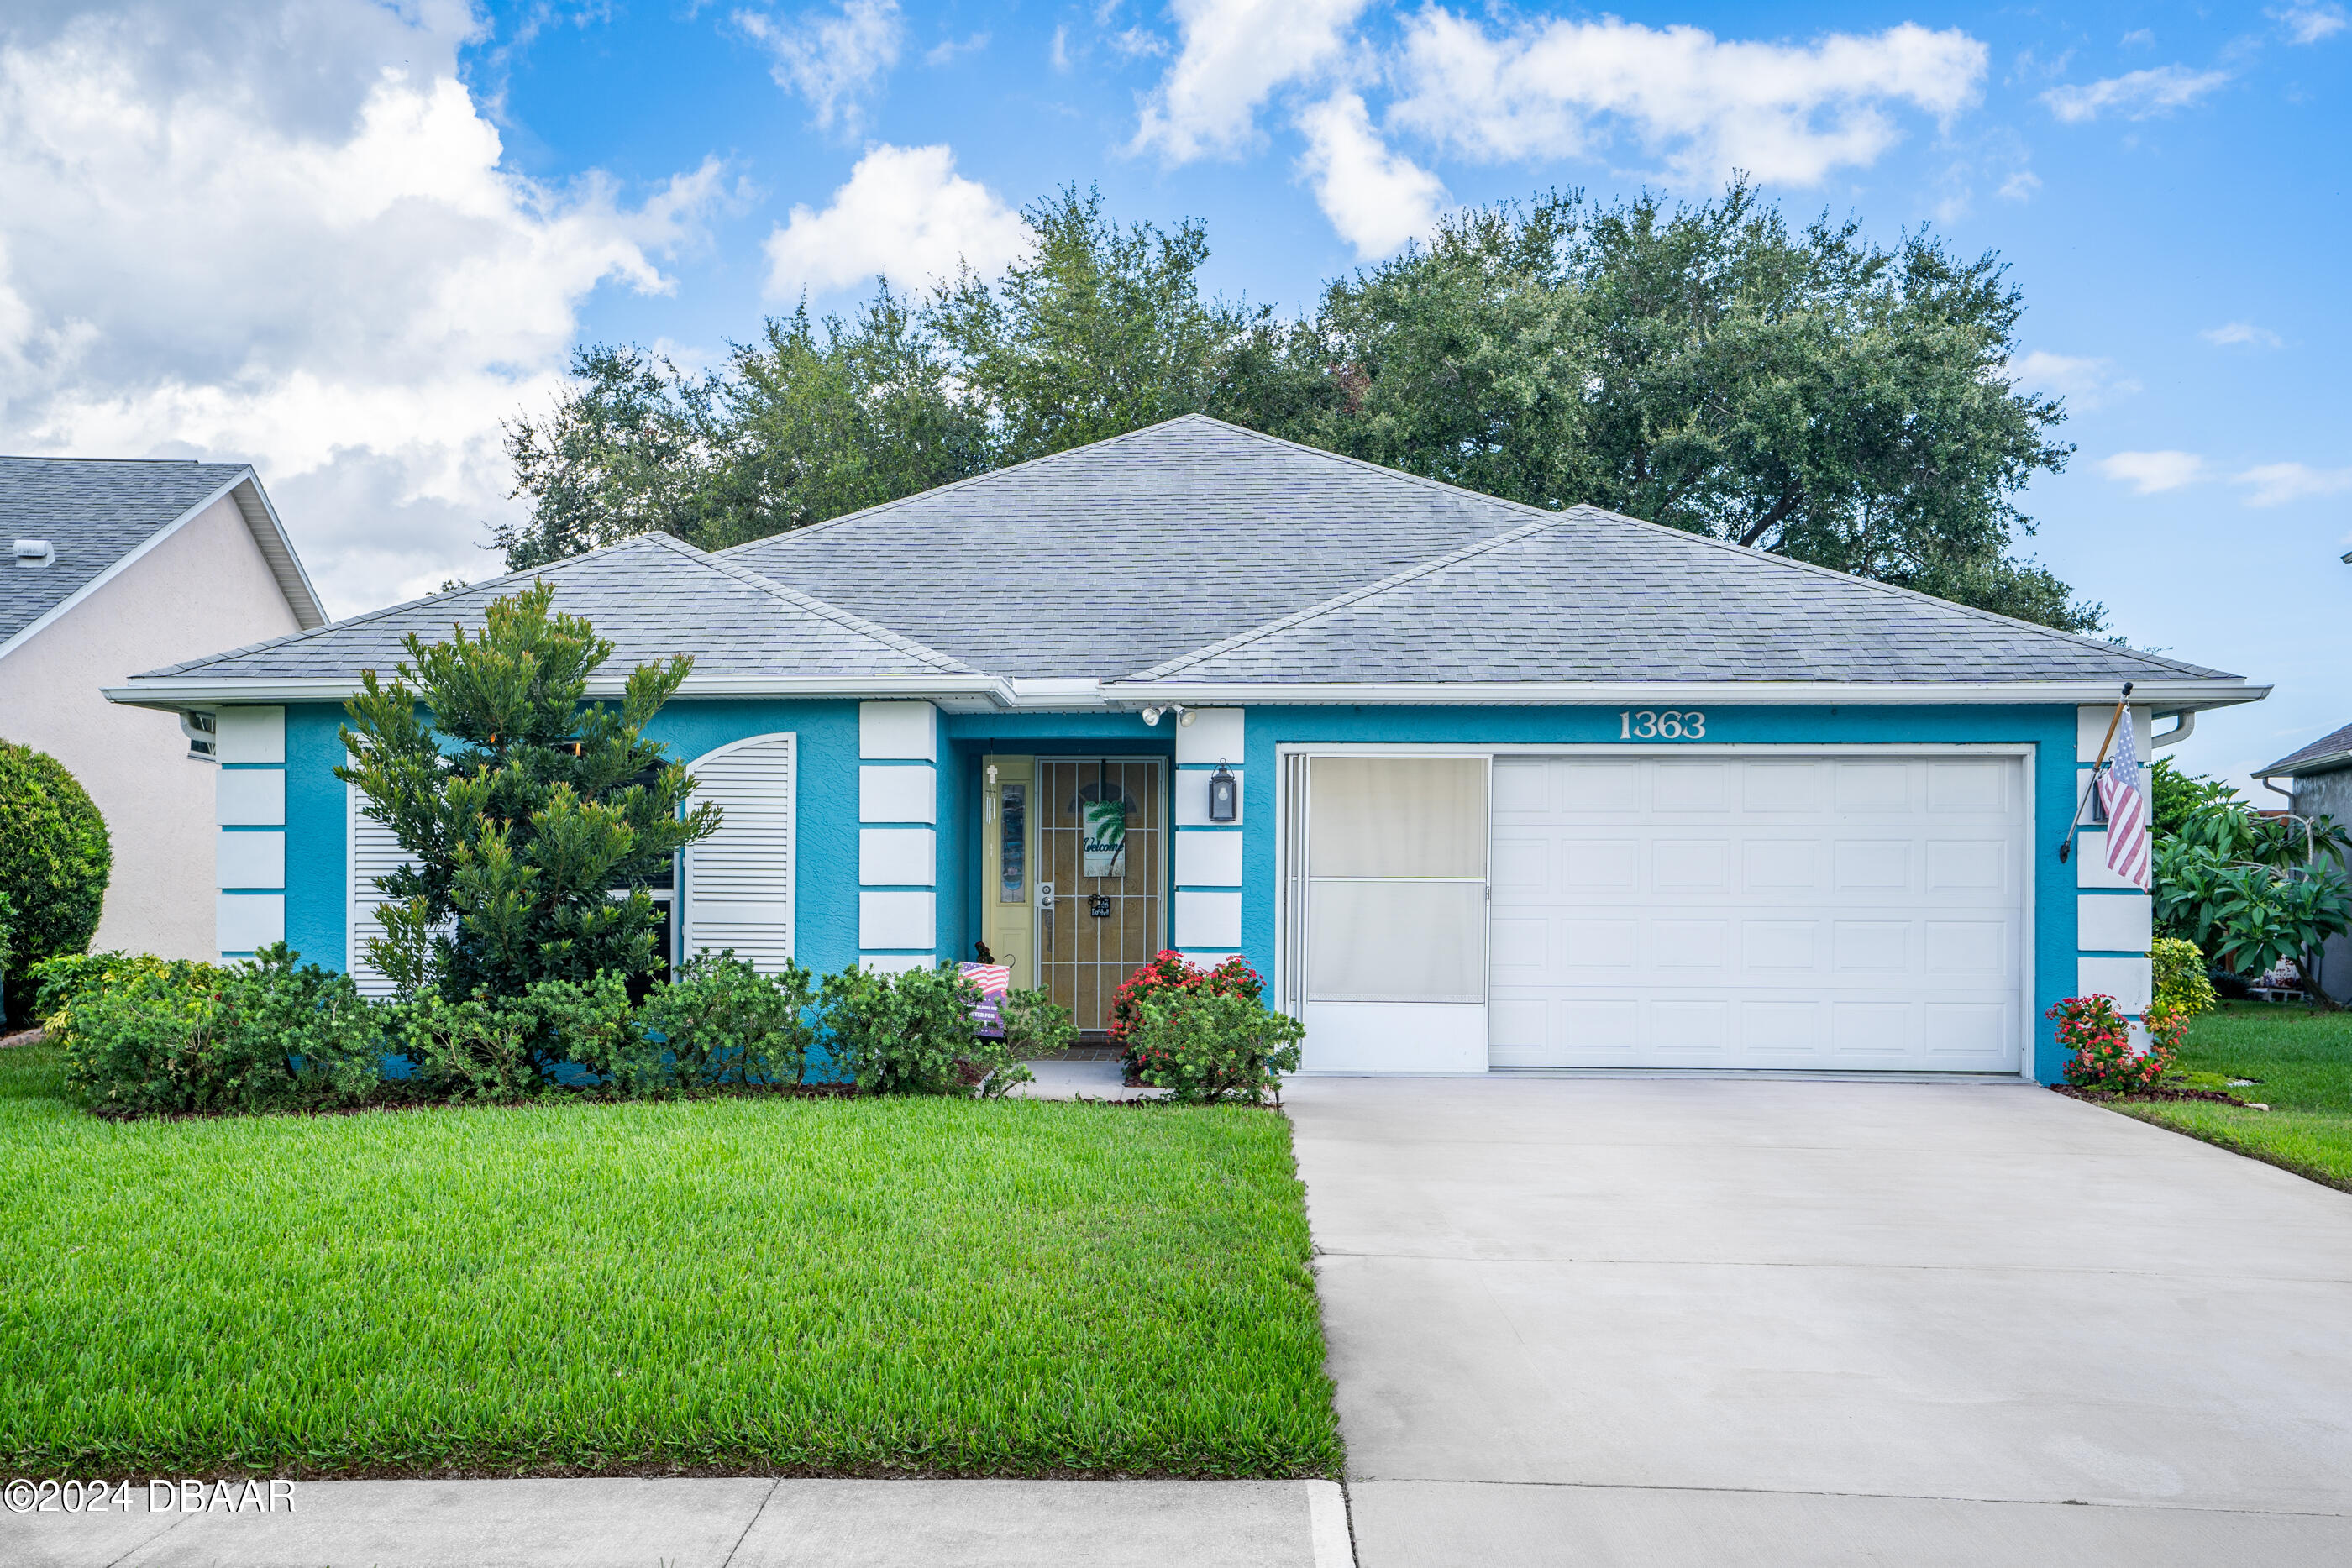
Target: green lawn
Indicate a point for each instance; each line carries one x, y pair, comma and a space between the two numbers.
2304, 1060
832, 1286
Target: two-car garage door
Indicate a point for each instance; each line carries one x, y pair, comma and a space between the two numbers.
1789, 910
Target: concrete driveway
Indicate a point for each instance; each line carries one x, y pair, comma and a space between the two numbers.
1667, 1322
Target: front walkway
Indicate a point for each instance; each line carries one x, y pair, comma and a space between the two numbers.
1656, 1321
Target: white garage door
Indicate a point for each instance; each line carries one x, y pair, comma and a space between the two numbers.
1791, 911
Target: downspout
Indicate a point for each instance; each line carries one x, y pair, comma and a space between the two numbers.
2184, 725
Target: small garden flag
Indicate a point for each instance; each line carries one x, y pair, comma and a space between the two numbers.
2119, 792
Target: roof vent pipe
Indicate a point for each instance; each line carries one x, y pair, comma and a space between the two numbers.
36, 552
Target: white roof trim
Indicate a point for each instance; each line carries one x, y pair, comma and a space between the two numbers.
121, 563
276, 546
2170, 694
173, 693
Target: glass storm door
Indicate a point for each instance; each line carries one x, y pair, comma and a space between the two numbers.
1101, 839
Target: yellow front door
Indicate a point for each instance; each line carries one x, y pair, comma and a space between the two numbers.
1008, 897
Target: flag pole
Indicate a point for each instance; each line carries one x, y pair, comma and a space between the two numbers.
2076, 825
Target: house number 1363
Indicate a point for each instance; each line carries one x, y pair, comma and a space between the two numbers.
1661, 724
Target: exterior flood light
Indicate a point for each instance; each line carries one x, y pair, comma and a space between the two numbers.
1224, 795
1151, 715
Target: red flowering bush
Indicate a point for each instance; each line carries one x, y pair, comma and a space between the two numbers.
2099, 1037
1167, 975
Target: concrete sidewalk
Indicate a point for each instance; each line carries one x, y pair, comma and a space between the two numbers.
716, 1524
1683, 1324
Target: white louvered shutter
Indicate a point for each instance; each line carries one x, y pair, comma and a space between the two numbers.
372, 853
739, 881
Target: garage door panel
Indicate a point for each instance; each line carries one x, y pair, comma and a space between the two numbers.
1599, 865
1525, 861
1780, 865
1970, 865
1691, 785
1826, 914
1788, 787
1874, 787
1873, 866
1680, 865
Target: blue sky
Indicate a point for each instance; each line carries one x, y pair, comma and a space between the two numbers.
343, 239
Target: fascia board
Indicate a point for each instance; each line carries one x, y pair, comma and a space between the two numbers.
173, 692
2326, 763
2167, 695
122, 563
311, 603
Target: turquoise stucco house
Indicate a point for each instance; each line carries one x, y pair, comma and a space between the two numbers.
1477, 787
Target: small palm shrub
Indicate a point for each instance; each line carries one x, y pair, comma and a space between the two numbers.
55, 859
1209, 1046
271, 1034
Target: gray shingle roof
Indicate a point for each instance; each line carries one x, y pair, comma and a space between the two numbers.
2328, 752
1106, 558
1589, 595
651, 595
94, 512
1197, 551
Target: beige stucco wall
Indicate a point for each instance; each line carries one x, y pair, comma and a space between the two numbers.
204, 590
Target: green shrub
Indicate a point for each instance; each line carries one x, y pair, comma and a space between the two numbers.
55, 859
1208, 1046
271, 1034
2097, 1037
591, 1038
483, 1048
1169, 973
724, 1023
908, 1033
8, 936
2181, 981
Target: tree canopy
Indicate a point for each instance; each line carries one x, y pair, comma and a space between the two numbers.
1801, 389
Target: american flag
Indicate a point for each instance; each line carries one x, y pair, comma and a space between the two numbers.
994, 981
2119, 792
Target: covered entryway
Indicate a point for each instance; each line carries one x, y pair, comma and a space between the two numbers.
1101, 877
1749, 911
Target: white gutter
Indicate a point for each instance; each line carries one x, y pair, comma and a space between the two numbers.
176, 693
2182, 695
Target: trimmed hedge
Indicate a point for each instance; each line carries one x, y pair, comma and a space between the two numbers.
143, 1037
55, 859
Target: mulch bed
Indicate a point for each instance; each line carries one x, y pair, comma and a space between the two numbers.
2097, 1098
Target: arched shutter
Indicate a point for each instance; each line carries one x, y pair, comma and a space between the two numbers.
739, 881
372, 852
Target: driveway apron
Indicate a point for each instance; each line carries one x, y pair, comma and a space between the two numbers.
1706, 1321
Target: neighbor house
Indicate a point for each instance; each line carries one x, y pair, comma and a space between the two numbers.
2319, 778
1474, 785
115, 567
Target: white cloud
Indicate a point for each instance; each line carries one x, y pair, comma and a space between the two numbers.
904, 211
2150, 472
1138, 43
1374, 198
1783, 112
2020, 186
2309, 24
1235, 54
2138, 39
271, 244
831, 58
945, 51
2087, 380
2134, 95
2242, 332
1059, 53
2277, 483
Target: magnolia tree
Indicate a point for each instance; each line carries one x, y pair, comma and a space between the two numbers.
535, 820
2253, 891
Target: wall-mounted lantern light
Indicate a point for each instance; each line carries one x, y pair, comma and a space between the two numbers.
1224, 795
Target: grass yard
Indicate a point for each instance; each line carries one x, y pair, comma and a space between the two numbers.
2304, 1061
849, 1287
